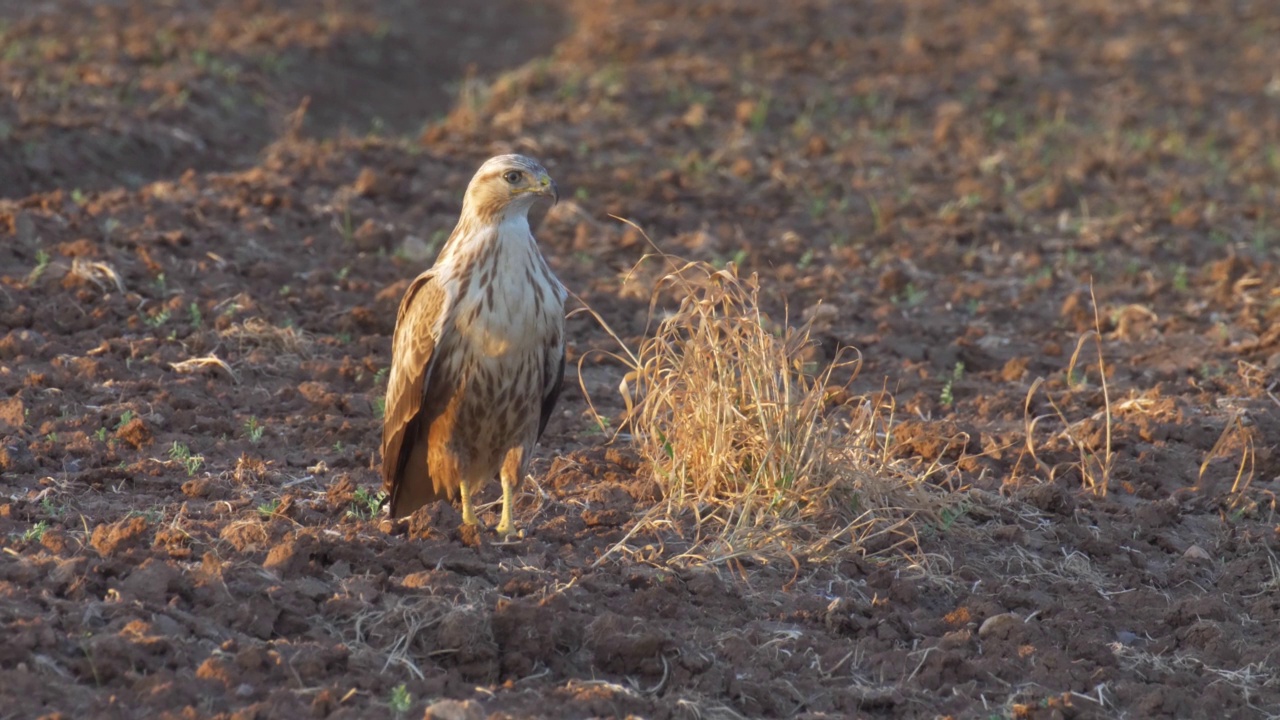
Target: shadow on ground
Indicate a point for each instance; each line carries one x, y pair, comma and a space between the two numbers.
207, 86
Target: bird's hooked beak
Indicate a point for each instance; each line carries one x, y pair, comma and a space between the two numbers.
547, 187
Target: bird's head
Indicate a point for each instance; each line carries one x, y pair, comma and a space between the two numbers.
508, 183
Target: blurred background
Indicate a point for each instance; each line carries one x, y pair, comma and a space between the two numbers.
121, 93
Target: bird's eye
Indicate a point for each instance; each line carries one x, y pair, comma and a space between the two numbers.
512, 176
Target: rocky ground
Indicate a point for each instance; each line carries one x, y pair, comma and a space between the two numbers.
210, 210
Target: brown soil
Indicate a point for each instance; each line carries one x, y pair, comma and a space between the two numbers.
198, 277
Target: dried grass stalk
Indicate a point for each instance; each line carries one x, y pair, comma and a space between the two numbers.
191, 365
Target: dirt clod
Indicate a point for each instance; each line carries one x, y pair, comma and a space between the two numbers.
437, 519
127, 534
12, 413
136, 433
454, 710
1050, 498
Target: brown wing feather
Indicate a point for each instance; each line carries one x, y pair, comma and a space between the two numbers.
556, 384
408, 384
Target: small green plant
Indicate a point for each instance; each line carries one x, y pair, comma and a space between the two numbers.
159, 318
805, 260
52, 437
181, 454
343, 273
126, 417
1208, 371
197, 318
1045, 273
760, 114
400, 699
42, 264
877, 215
48, 506
600, 427
949, 515
152, 515
101, 434
571, 87
365, 504
273, 63
817, 207
1180, 282
379, 407
253, 429
36, 532
381, 376
1077, 378
947, 397
269, 508
910, 296
345, 227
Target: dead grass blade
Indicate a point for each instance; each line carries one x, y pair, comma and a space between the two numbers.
97, 273
191, 365
1231, 432
1095, 468
1238, 432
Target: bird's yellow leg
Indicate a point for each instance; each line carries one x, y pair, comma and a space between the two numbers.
510, 479
507, 526
468, 510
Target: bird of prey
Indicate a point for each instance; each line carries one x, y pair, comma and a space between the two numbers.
477, 359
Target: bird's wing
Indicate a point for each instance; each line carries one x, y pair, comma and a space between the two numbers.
417, 334
553, 382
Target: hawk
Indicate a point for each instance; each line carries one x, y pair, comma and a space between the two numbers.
477, 358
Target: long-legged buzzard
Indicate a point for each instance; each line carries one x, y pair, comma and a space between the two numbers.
478, 352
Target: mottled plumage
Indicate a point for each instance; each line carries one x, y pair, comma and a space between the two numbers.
477, 359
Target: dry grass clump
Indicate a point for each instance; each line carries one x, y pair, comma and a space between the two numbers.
747, 441
258, 333
100, 274
396, 631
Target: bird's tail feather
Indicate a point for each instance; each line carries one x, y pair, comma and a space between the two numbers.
416, 487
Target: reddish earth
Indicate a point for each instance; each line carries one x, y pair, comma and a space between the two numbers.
955, 183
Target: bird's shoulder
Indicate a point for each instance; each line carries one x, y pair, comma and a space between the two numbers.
425, 307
